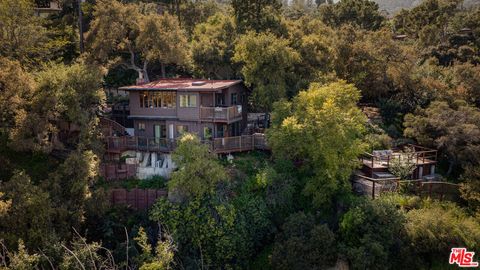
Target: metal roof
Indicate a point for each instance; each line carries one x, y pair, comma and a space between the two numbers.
184, 84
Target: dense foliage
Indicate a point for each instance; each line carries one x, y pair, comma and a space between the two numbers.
313, 65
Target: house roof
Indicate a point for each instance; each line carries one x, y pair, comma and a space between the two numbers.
183, 84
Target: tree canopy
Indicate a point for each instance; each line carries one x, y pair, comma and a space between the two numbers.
327, 118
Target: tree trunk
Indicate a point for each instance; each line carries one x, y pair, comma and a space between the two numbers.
164, 74
80, 26
450, 167
177, 7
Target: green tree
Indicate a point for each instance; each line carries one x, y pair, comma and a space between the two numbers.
371, 234
211, 231
22, 36
375, 63
427, 21
16, 91
161, 39
69, 188
159, 259
266, 62
213, 45
68, 96
452, 129
470, 187
436, 228
137, 38
29, 215
314, 42
83, 255
322, 129
22, 260
199, 172
363, 13
302, 244
258, 15
403, 165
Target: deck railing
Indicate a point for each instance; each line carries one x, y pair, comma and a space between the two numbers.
226, 114
433, 189
420, 155
217, 145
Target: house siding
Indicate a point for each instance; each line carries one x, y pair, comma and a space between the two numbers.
189, 117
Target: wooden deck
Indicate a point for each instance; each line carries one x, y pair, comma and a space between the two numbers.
221, 114
421, 156
218, 145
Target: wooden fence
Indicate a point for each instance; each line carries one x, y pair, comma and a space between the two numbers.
139, 199
117, 171
433, 189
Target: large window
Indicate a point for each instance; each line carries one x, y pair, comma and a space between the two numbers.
188, 101
158, 99
141, 126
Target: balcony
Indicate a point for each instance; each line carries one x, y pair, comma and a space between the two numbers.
217, 145
221, 114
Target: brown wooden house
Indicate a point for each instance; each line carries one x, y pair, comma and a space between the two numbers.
165, 108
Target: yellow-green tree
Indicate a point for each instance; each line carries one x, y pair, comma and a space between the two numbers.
198, 172
322, 129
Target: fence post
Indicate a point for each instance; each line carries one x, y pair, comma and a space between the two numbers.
373, 190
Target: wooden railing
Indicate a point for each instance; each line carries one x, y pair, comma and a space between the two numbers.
217, 145
432, 189
109, 127
421, 155
223, 114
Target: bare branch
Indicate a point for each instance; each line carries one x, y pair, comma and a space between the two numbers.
75, 256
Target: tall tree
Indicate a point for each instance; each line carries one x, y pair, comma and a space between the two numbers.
297, 246
453, 129
139, 37
69, 187
372, 234
29, 215
314, 41
267, 62
213, 45
16, 91
67, 98
362, 13
428, 20
258, 15
22, 36
321, 129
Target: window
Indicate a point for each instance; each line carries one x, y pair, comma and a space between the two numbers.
207, 133
234, 99
158, 99
219, 99
181, 129
141, 126
188, 101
